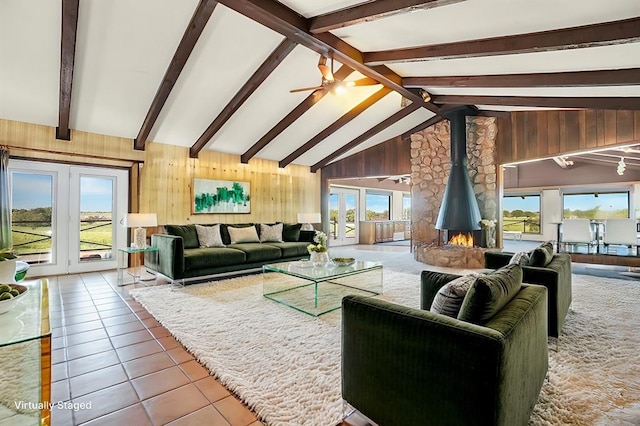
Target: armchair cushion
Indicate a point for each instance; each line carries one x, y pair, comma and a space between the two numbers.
521, 258
448, 300
490, 293
541, 255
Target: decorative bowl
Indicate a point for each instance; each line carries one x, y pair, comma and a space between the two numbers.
8, 304
343, 261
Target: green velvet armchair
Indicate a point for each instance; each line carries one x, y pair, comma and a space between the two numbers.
406, 366
555, 276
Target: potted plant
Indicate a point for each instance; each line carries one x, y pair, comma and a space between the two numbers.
318, 251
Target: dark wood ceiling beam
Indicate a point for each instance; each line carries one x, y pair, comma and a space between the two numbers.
67, 57
602, 34
287, 22
617, 103
296, 113
336, 125
190, 37
617, 77
389, 121
370, 11
250, 86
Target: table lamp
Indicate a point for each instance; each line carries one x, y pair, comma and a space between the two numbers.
139, 221
307, 219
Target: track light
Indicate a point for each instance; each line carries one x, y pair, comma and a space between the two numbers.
621, 166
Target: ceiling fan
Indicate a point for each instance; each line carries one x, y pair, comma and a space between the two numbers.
329, 82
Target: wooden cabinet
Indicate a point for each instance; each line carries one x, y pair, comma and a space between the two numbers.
380, 231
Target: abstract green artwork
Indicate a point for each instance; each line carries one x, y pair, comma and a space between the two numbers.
221, 196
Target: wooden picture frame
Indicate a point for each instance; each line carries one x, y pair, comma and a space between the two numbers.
212, 196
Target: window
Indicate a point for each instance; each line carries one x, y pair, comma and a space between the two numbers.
596, 205
521, 213
406, 206
378, 206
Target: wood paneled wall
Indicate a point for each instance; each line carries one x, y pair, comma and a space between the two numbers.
161, 176
390, 158
538, 134
34, 141
276, 194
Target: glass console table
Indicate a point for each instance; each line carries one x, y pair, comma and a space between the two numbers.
25, 358
317, 290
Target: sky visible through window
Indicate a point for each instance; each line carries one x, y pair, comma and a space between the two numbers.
30, 191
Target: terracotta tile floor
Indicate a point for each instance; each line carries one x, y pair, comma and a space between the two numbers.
108, 351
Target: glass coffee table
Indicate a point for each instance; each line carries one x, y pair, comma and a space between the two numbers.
317, 290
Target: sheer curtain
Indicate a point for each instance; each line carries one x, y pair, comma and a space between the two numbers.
5, 198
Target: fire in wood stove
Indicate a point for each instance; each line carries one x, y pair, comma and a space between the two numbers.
461, 239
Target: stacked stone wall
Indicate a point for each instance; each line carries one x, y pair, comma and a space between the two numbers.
430, 165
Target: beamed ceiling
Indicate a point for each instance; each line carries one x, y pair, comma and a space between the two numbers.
210, 75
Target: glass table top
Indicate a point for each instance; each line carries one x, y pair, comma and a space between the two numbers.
29, 318
308, 271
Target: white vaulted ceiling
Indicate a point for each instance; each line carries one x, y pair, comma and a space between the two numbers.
123, 49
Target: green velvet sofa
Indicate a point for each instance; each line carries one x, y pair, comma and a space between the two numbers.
555, 276
407, 366
181, 258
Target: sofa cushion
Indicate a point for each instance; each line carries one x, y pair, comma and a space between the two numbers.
270, 233
449, 298
243, 235
489, 293
209, 236
292, 249
541, 256
520, 258
224, 230
187, 232
203, 258
256, 252
291, 232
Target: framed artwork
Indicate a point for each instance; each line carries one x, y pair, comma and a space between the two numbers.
221, 196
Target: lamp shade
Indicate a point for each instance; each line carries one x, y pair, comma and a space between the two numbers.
138, 220
309, 218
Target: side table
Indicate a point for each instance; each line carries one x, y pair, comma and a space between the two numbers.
137, 267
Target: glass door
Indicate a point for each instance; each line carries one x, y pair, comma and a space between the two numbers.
343, 216
63, 216
95, 208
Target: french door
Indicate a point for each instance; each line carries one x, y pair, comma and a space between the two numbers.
65, 219
343, 216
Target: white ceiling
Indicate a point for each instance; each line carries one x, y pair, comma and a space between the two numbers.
124, 48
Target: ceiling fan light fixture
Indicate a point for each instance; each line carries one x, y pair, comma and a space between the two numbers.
339, 89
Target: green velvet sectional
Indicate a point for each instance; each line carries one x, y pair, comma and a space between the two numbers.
180, 256
407, 366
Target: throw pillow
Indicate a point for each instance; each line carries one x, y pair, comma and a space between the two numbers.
489, 293
449, 298
521, 258
271, 233
541, 255
243, 235
187, 232
209, 236
291, 232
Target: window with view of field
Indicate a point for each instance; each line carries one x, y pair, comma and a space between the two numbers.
378, 206
521, 213
596, 205
31, 207
406, 207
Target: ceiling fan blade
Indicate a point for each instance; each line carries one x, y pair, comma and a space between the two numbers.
367, 81
304, 89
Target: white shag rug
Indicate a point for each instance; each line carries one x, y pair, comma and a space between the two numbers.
285, 365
